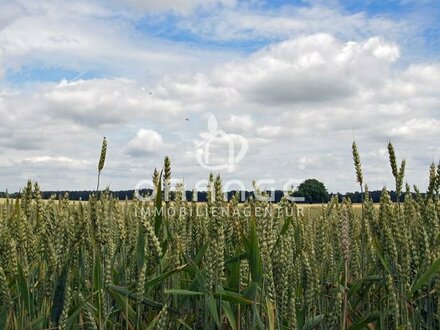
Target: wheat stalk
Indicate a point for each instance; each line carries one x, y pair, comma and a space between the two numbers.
101, 160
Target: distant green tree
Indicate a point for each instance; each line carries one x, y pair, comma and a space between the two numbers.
313, 191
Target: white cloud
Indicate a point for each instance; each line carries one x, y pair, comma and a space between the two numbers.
381, 49
270, 132
2, 71
239, 123
306, 162
181, 6
315, 68
95, 102
89, 37
145, 143
290, 21
58, 160
416, 127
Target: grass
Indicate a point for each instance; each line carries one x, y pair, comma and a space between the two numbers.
107, 264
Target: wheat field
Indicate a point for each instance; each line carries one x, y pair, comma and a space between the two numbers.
107, 264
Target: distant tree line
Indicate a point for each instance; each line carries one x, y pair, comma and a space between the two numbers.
355, 197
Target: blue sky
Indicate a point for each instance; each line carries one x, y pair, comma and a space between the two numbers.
297, 79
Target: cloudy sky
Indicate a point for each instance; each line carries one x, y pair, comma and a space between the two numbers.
297, 79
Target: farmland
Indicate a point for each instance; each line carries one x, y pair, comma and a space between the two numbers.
109, 264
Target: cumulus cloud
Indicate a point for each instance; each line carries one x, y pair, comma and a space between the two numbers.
95, 102
381, 49
146, 142
317, 68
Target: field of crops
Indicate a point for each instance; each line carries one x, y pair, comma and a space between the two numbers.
106, 264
